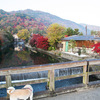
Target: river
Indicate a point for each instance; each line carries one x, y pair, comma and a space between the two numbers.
18, 56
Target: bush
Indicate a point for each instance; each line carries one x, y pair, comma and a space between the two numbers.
39, 41
51, 48
33, 41
79, 51
83, 49
42, 42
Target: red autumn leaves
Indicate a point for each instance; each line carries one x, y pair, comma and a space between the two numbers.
96, 47
39, 41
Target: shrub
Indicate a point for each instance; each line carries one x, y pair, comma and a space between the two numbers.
39, 41
96, 47
79, 51
33, 41
42, 42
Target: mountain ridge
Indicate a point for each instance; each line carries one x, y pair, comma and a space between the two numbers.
47, 19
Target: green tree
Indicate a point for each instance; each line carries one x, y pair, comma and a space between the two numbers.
15, 30
80, 34
76, 31
69, 31
9, 36
9, 29
55, 33
23, 34
72, 44
93, 32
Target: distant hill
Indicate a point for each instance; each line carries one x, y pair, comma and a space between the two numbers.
37, 19
17, 21
92, 27
47, 17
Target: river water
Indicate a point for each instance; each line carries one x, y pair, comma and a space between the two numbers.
18, 56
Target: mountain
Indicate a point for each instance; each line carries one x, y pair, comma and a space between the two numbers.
17, 21
37, 19
91, 27
47, 17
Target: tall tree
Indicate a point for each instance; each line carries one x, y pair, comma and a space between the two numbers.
55, 33
93, 32
76, 31
9, 36
23, 34
69, 31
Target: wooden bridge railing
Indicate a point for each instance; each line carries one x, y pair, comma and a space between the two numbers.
51, 73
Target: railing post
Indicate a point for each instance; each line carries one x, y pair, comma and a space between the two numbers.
85, 72
51, 83
8, 81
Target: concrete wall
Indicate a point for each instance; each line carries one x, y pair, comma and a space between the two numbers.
64, 46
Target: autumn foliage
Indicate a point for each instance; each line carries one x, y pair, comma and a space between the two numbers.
96, 47
23, 34
33, 41
19, 21
55, 33
42, 43
66, 35
39, 41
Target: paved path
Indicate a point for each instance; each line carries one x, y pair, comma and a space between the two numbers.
88, 94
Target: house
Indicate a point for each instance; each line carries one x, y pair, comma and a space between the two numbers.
86, 41
17, 40
15, 37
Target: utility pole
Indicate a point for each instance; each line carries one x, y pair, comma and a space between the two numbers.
86, 29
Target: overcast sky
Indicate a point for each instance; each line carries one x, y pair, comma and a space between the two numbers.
79, 11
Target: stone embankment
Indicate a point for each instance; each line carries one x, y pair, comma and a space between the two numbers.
65, 55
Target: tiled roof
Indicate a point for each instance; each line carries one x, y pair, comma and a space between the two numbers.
84, 37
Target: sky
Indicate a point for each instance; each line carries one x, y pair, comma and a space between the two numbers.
79, 11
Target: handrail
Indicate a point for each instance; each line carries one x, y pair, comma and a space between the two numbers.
7, 72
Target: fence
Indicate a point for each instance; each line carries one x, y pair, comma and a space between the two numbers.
51, 73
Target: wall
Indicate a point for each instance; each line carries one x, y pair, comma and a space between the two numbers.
87, 44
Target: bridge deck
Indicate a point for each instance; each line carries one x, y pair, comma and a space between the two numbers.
87, 94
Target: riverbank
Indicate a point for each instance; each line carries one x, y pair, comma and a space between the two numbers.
55, 54
63, 56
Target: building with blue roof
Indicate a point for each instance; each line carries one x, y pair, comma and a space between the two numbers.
84, 40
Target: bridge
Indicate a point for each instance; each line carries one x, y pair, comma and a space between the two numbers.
86, 85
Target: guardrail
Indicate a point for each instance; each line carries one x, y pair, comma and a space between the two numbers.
7, 72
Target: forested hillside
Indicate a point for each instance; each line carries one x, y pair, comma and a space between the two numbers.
49, 18
17, 21
35, 21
